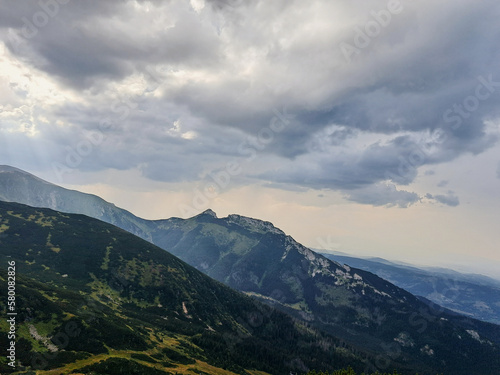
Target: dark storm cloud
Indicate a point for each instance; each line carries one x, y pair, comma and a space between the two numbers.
421, 93
84, 42
410, 91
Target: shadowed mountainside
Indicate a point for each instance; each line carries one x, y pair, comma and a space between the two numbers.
93, 297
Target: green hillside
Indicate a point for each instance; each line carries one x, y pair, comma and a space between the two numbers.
94, 298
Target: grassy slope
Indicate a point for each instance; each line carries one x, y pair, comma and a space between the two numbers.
127, 299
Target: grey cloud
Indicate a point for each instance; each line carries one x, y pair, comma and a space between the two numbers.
242, 60
400, 95
449, 199
333, 136
383, 195
224, 4
350, 168
171, 170
13, 13
443, 183
147, 140
397, 160
83, 47
287, 187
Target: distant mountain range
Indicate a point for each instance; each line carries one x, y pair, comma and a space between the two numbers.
364, 311
473, 295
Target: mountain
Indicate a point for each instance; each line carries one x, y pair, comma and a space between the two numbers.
476, 296
473, 295
92, 298
19, 186
367, 313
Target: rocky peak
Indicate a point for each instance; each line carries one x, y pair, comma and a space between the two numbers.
209, 212
9, 171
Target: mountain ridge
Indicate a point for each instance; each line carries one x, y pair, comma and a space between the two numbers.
469, 294
360, 301
132, 300
253, 256
19, 186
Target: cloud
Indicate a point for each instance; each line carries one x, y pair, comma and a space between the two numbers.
83, 45
354, 165
221, 68
383, 195
449, 199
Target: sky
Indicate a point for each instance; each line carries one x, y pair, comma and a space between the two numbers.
368, 127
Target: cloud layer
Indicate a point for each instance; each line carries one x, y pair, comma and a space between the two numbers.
178, 89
